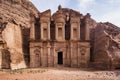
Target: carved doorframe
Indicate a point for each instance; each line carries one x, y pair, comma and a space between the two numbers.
56, 56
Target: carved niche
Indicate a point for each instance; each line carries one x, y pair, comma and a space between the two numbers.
36, 51
82, 50
37, 57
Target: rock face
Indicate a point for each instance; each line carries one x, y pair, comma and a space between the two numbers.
17, 11
107, 54
25, 31
14, 32
13, 37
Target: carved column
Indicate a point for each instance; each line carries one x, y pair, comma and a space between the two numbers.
79, 56
87, 27
31, 57
54, 55
79, 30
56, 32
68, 55
63, 31
32, 29
41, 49
49, 55
41, 31
71, 46
49, 31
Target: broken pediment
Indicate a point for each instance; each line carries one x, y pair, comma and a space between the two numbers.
46, 13
58, 15
74, 13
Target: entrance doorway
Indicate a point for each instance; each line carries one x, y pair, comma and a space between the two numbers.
60, 58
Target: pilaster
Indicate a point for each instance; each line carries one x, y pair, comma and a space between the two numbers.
87, 27
32, 31
32, 27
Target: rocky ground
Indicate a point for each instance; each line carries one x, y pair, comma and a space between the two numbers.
59, 74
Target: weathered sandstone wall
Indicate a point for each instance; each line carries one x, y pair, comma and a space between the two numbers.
14, 30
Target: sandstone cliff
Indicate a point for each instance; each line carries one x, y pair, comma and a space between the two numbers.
17, 11
106, 46
15, 16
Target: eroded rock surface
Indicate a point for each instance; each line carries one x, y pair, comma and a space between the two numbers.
14, 32
17, 11
107, 45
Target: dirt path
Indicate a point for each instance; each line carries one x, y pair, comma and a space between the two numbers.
58, 74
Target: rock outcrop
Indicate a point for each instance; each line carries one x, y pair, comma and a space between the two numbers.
17, 11
15, 18
106, 48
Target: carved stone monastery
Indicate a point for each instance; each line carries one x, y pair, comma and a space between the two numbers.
33, 39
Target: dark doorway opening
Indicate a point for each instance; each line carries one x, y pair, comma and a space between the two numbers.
60, 58
117, 68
